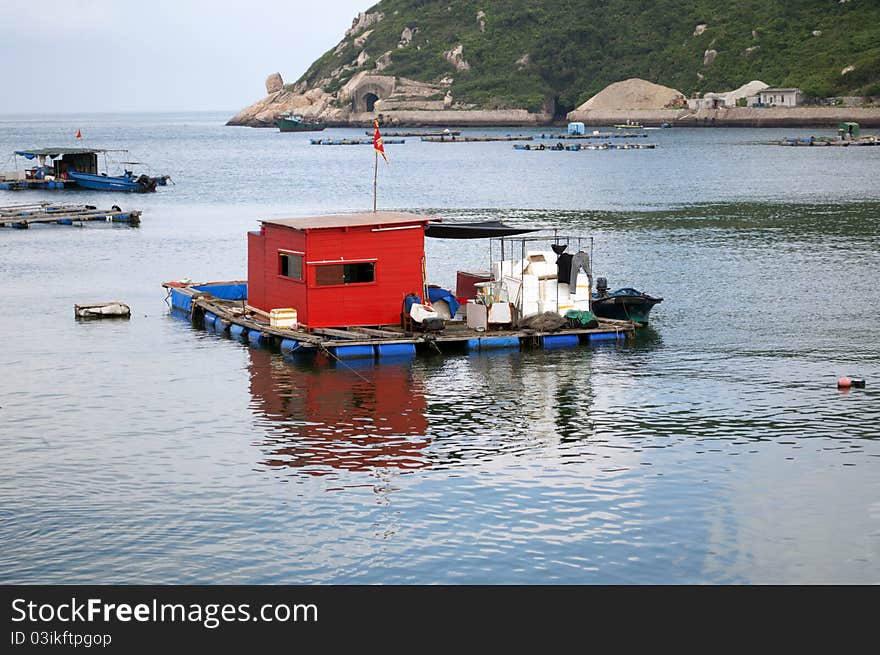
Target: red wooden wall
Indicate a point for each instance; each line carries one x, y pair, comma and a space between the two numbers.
398, 254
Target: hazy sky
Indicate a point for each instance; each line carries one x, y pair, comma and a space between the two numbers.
149, 55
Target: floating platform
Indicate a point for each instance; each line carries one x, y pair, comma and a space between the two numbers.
222, 307
53, 185
351, 142
473, 139
594, 135
446, 133
23, 216
826, 141
575, 147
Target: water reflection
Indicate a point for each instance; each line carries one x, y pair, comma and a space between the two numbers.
317, 418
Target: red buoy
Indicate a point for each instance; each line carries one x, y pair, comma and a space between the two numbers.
844, 383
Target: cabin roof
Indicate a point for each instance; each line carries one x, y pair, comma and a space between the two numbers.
57, 152
774, 89
349, 220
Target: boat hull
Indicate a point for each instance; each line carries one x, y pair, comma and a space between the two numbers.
128, 183
287, 125
625, 305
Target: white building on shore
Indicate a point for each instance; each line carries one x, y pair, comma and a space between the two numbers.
774, 97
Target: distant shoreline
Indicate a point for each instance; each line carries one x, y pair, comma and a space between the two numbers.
806, 117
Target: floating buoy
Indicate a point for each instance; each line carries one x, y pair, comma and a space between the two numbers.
858, 383
844, 383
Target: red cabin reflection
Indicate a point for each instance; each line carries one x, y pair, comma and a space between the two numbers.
320, 418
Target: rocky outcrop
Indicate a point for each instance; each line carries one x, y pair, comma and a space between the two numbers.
699, 29
456, 58
274, 83
362, 39
709, 57
384, 61
406, 36
399, 100
363, 21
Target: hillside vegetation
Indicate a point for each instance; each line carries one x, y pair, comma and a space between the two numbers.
523, 53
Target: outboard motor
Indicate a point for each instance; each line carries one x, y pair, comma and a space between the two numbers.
146, 183
601, 287
433, 324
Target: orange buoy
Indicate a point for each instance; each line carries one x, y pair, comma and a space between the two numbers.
844, 383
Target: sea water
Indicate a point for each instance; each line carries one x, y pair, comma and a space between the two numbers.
714, 447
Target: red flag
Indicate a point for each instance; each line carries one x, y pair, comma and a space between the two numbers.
378, 146
79, 134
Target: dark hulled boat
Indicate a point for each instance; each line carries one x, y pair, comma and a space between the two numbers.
296, 123
626, 304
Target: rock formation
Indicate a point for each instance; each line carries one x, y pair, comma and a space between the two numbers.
274, 83
456, 58
362, 21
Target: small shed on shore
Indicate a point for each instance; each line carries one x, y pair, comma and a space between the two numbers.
339, 270
775, 97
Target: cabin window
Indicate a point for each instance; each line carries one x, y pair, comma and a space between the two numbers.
291, 265
333, 274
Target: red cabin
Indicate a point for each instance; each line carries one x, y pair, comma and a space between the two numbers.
336, 271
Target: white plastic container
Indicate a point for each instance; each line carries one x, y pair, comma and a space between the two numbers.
477, 317
284, 317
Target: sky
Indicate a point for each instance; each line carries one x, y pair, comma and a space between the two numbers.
64, 56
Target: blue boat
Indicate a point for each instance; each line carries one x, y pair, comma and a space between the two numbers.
66, 168
125, 182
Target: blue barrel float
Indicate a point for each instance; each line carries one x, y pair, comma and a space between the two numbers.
492, 343
237, 331
256, 338
289, 346
401, 350
353, 352
209, 320
606, 336
560, 341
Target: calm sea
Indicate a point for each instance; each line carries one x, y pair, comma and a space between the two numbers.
714, 448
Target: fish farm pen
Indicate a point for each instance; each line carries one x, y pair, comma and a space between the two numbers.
222, 307
422, 133
474, 139
352, 142
595, 135
23, 216
575, 147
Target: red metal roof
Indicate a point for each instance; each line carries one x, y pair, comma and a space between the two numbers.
349, 220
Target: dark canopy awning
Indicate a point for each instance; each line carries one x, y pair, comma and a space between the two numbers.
57, 152
484, 230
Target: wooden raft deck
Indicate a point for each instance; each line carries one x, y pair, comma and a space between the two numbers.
232, 318
22, 216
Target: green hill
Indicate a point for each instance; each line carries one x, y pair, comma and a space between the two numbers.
522, 53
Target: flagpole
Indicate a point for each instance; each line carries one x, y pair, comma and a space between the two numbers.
375, 176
